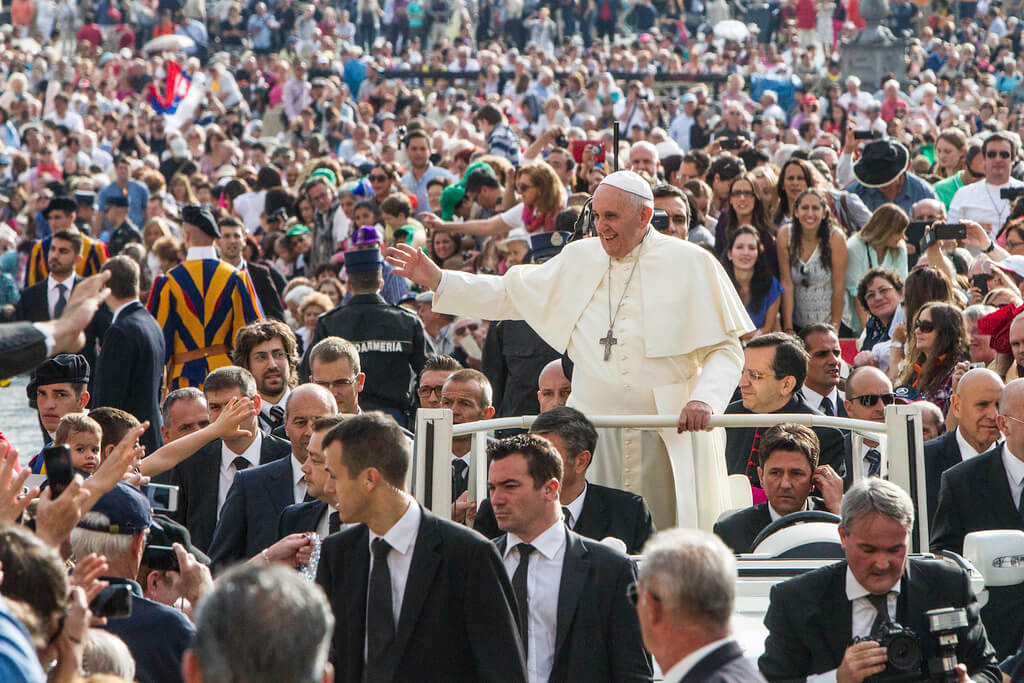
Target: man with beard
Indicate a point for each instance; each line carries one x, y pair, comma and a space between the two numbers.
61, 213
269, 351
231, 243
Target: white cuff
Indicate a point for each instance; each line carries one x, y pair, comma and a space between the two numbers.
827, 677
47, 337
444, 280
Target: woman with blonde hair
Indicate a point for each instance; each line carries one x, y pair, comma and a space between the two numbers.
181, 189
542, 196
880, 243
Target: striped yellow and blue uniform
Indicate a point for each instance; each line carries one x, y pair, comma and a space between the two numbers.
94, 255
201, 304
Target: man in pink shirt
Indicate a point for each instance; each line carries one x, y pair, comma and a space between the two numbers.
893, 105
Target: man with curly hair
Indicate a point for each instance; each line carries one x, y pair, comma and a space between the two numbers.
269, 351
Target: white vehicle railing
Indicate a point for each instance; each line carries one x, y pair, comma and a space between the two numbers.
431, 479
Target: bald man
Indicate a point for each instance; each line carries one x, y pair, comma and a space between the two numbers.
643, 156
553, 387
975, 406
868, 392
1016, 348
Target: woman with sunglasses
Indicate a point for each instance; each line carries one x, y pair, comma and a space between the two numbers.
382, 179
759, 290
812, 264
939, 341
879, 244
745, 209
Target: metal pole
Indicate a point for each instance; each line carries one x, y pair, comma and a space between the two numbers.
615, 148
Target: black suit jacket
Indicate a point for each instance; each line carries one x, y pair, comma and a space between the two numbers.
840, 406
597, 634
300, 518
809, 620
198, 479
130, 368
606, 512
724, 664
739, 442
252, 509
457, 621
939, 455
739, 529
266, 291
22, 348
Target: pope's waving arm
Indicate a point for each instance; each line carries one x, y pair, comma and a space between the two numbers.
415, 265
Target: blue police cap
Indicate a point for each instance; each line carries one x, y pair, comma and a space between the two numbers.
363, 260
126, 508
547, 245
118, 200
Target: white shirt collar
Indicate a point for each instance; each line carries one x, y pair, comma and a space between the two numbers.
297, 475
67, 282
266, 405
683, 666
252, 453
1014, 467
576, 506
813, 398
854, 590
966, 449
547, 544
119, 309
775, 515
402, 535
197, 253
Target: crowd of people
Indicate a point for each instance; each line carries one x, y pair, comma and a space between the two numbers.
242, 244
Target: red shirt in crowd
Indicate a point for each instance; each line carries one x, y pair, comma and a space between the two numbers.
91, 34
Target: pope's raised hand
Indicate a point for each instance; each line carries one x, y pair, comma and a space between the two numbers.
412, 263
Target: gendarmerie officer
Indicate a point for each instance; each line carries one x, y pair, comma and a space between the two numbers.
514, 354
392, 343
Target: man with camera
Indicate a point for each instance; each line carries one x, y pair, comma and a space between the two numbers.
989, 202
860, 617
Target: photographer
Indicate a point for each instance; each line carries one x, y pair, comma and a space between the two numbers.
829, 621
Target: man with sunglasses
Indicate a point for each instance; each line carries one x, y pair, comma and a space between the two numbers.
972, 172
868, 392
981, 201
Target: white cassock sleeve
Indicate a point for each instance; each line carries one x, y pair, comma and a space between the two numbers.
717, 381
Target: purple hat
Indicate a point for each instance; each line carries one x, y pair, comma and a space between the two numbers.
367, 234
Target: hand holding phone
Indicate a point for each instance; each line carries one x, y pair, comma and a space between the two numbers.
59, 471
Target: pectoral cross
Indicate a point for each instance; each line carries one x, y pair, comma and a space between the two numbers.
608, 342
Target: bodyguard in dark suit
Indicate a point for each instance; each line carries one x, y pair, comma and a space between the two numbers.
130, 366
452, 618
590, 510
812, 618
574, 618
975, 407
205, 478
789, 471
231, 243
513, 356
252, 510
679, 620
820, 389
774, 368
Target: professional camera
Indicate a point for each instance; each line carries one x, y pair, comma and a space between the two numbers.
659, 220
903, 650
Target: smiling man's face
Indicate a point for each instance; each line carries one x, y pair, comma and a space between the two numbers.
620, 225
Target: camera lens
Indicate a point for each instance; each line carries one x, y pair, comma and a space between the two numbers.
904, 652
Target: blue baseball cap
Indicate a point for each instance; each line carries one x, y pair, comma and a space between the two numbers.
363, 260
127, 509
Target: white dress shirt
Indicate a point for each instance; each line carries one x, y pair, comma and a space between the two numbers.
119, 309
298, 480
402, 539
1014, 474
53, 293
227, 467
683, 666
813, 399
265, 407
543, 581
197, 253
576, 508
966, 449
775, 515
864, 448
863, 616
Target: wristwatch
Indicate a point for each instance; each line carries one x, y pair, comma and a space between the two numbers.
990, 247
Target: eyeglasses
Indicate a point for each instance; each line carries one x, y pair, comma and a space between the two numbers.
925, 326
868, 400
1002, 154
471, 327
318, 197
378, 178
741, 193
756, 375
805, 280
337, 384
878, 293
1011, 417
424, 391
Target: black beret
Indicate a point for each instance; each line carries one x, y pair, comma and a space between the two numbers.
201, 218
65, 204
64, 367
118, 200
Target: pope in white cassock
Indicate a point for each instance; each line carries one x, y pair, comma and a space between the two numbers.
652, 324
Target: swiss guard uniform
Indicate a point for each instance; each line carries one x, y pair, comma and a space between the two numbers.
200, 305
392, 343
94, 252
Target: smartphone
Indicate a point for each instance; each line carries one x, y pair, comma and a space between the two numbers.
865, 135
981, 282
57, 460
160, 557
113, 601
915, 232
949, 231
162, 497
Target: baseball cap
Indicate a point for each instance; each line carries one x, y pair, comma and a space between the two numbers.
125, 507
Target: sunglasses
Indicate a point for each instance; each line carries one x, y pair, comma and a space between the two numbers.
868, 400
378, 178
472, 327
925, 326
741, 193
1003, 154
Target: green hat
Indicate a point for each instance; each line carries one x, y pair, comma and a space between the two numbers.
297, 230
327, 174
474, 166
450, 198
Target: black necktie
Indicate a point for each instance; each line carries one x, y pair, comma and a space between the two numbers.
881, 605
241, 463
276, 417
519, 586
62, 300
460, 480
826, 407
874, 459
333, 523
1020, 504
380, 616
567, 515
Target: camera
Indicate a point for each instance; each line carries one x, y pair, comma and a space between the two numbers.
659, 220
1011, 193
903, 653
866, 135
562, 141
